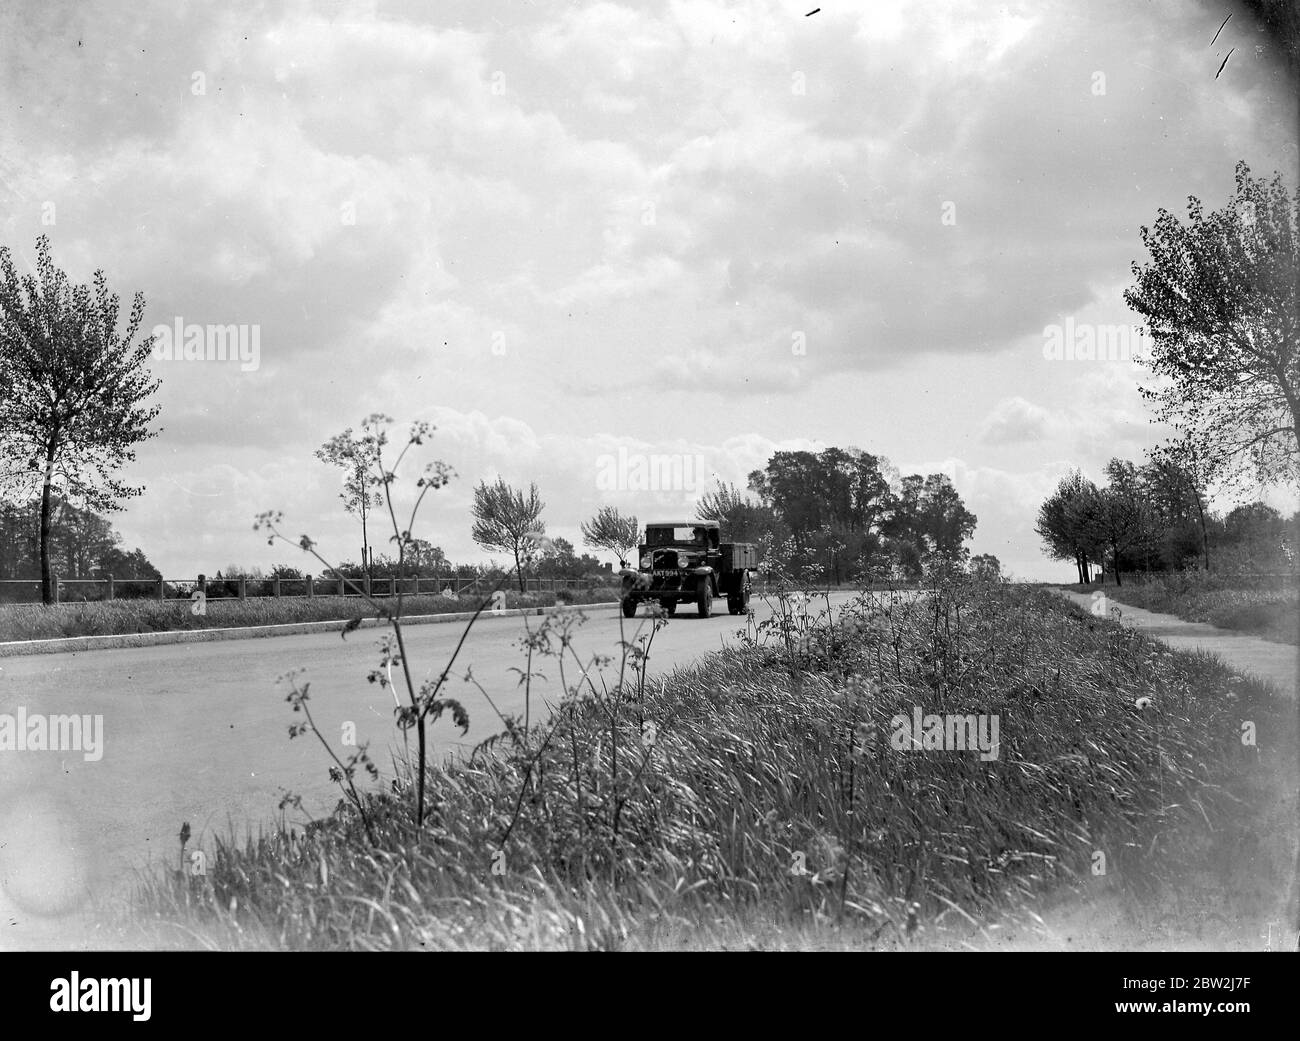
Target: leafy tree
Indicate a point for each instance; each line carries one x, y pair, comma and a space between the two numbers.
1253, 522
1117, 520
1178, 495
1219, 297
426, 558
610, 530
83, 544
944, 519
845, 489
557, 559
72, 390
928, 523
719, 504
560, 560
1259, 538
505, 517
1060, 525
742, 519
120, 564
362, 485
985, 567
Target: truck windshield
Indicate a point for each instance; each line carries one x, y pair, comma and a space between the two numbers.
664, 536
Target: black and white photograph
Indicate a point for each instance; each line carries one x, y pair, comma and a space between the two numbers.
650, 476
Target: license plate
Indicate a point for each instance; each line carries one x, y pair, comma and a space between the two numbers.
662, 573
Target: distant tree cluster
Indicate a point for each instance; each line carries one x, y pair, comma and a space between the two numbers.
842, 514
1154, 518
82, 544
845, 515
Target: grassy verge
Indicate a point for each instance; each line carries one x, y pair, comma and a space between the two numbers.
114, 617
1273, 614
762, 798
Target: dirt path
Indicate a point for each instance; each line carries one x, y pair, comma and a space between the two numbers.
1276, 662
1106, 921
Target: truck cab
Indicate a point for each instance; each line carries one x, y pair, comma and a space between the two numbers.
686, 562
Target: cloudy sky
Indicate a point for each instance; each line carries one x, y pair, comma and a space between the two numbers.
559, 230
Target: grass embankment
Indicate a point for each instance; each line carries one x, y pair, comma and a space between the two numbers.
1219, 600
114, 617
758, 799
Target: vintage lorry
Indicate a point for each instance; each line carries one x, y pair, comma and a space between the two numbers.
683, 562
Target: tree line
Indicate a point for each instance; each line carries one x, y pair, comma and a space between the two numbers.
1154, 518
845, 515
82, 544
837, 515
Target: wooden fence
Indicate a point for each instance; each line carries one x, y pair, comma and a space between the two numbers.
77, 590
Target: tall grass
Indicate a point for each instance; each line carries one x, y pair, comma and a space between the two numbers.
758, 797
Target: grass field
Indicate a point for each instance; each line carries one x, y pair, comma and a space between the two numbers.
114, 617
763, 799
1219, 600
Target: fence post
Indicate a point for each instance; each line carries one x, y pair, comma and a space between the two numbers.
110, 586
365, 584
162, 588
203, 586
275, 586
54, 581
310, 590
243, 587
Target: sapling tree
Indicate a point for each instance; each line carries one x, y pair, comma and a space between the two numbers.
74, 389
610, 530
361, 493
424, 703
418, 706
506, 519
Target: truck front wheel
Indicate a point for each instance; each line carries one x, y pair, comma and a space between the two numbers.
704, 597
629, 607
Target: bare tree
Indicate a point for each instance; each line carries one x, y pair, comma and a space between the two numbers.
505, 518
72, 390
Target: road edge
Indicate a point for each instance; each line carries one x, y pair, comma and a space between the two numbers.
64, 644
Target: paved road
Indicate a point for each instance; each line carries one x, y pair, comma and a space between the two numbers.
198, 733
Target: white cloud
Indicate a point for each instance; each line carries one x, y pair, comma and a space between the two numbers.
580, 228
